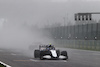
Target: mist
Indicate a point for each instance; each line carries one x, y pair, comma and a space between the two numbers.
43, 12
21, 20
16, 36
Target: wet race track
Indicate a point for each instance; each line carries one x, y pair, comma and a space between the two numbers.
77, 58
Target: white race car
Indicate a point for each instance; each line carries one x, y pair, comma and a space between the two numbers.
49, 52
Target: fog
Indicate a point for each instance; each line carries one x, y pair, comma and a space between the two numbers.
15, 36
21, 20
45, 11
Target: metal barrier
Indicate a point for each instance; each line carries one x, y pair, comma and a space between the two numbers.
85, 36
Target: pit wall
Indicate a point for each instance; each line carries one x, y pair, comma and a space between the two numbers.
76, 32
79, 44
83, 36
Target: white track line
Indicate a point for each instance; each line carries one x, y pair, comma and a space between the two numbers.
5, 64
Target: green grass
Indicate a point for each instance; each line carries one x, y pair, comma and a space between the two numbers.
1, 65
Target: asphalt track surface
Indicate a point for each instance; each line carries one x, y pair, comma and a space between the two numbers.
24, 58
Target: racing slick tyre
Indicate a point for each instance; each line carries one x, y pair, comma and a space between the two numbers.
36, 54
64, 53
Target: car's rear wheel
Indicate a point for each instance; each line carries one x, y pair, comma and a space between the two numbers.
36, 54
64, 53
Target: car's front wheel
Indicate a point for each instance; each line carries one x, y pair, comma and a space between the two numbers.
36, 54
41, 58
41, 55
64, 53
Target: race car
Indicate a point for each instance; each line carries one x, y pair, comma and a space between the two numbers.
49, 52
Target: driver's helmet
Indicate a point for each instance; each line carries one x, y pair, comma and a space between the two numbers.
50, 45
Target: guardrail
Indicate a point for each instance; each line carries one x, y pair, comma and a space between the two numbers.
79, 44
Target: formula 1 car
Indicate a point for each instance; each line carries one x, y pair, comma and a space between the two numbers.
49, 52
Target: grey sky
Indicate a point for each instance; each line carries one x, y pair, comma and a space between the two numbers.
43, 11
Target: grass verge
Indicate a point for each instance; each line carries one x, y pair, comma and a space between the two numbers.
1, 65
